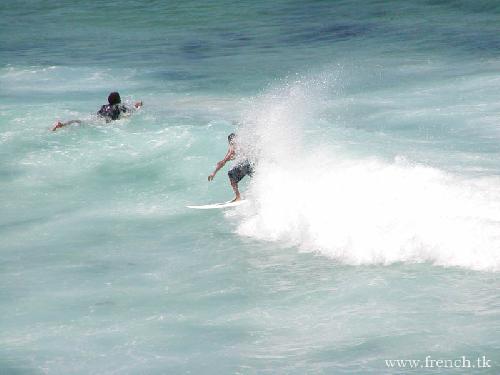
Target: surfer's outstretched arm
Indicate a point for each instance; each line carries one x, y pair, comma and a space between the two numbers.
60, 124
229, 155
128, 110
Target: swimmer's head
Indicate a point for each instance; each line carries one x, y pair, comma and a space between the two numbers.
114, 98
230, 138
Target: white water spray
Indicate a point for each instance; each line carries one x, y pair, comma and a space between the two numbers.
359, 211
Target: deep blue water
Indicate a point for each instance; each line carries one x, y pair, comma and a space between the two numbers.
372, 230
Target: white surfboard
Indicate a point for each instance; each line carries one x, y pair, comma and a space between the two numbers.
218, 205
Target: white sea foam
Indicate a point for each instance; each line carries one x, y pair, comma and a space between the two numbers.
359, 210
63, 79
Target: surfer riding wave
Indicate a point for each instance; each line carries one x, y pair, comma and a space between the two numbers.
241, 168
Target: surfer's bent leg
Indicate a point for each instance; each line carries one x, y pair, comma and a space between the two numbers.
236, 174
234, 185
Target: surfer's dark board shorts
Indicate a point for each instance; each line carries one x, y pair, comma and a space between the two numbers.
239, 171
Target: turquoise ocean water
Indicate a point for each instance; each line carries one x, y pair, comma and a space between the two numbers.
372, 231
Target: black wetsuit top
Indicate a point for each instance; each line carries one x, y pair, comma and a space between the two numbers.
112, 112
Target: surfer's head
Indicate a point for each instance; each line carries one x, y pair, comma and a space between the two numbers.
230, 138
114, 98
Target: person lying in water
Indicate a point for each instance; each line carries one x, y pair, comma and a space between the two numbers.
111, 111
242, 167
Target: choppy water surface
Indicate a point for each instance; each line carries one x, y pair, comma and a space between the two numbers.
372, 231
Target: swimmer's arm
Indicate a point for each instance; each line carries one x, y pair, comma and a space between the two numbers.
60, 124
229, 155
129, 110
137, 106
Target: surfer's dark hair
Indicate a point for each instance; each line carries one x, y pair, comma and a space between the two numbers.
114, 98
230, 137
